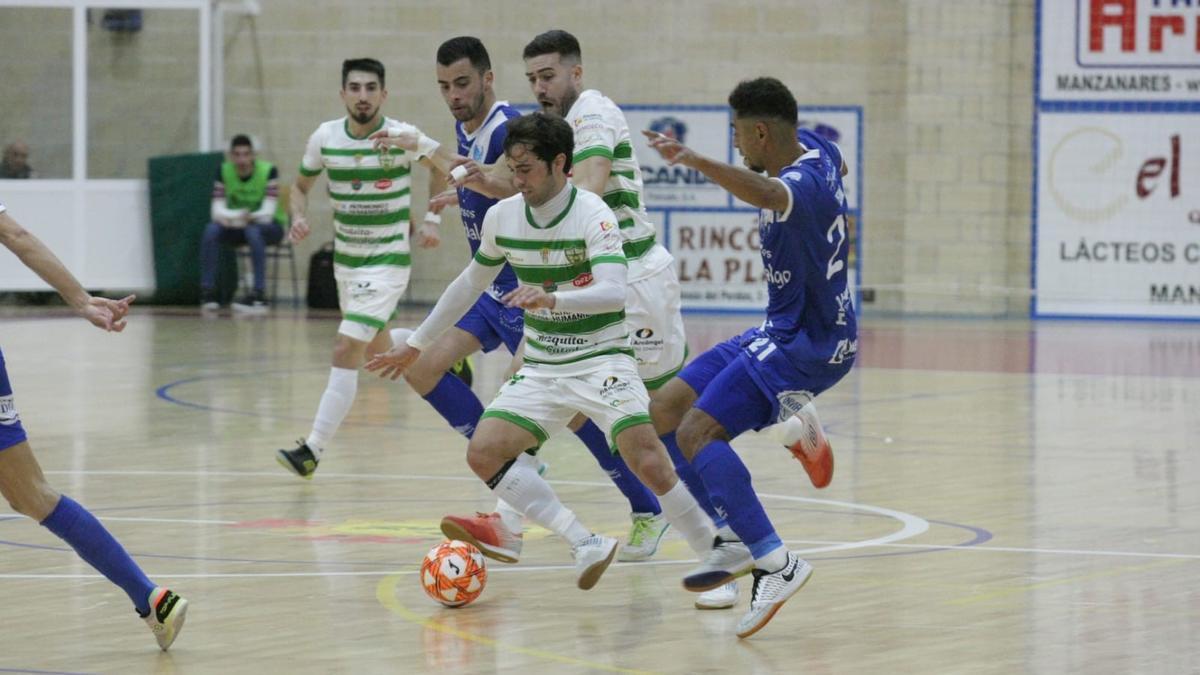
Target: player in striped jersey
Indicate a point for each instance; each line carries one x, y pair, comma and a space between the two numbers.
22, 482
565, 248
465, 78
371, 193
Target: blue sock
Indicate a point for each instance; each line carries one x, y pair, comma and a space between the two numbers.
728, 483
456, 403
641, 500
687, 474
79, 528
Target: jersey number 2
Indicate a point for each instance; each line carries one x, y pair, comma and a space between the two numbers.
838, 227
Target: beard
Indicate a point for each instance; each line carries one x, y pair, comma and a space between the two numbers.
360, 116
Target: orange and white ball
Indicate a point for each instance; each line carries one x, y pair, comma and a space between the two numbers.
453, 573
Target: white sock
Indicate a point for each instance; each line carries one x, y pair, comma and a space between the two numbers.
511, 517
685, 515
773, 561
528, 493
335, 405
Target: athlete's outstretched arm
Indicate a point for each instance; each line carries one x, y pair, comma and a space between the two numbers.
489, 180
101, 312
458, 297
750, 187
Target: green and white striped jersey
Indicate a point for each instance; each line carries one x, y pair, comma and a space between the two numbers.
558, 257
371, 197
602, 130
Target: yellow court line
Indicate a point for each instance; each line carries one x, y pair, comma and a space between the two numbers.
984, 597
385, 593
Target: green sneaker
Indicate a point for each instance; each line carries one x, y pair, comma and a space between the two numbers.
648, 529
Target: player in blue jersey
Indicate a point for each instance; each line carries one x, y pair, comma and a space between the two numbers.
21, 480
806, 344
465, 77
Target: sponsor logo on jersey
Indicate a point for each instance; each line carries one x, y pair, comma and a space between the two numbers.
671, 127
383, 184
777, 278
549, 286
582, 280
545, 255
605, 226
644, 333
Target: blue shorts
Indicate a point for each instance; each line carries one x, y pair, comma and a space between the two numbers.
492, 323
11, 431
753, 380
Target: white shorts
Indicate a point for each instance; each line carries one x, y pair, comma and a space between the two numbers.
656, 326
368, 305
611, 395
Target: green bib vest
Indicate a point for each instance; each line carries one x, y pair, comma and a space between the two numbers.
249, 193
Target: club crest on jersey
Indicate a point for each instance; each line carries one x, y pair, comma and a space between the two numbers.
545, 255
476, 153
575, 255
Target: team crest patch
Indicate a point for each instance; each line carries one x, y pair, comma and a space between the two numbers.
575, 255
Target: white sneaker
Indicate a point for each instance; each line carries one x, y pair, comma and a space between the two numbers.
771, 590
726, 561
721, 597
647, 531
592, 556
167, 613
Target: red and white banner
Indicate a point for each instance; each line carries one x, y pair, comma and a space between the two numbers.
1119, 50
1118, 215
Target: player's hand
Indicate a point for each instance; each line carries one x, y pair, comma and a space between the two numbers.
474, 173
392, 363
671, 150
298, 231
106, 313
403, 136
443, 199
427, 236
528, 297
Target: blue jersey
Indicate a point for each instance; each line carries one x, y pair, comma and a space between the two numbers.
804, 256
485, 146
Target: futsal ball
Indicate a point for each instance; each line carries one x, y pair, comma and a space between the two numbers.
453, 573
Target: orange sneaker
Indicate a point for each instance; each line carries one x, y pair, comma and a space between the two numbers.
487, 532
803, 437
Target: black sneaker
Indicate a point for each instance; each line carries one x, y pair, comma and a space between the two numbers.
463, 371
300, 461
208, 301
252, 303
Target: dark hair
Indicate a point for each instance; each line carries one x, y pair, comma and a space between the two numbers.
239, 140
465, 47
364, 65
554, 42
763, 97
546, 136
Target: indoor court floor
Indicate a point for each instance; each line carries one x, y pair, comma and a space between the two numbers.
1008, 497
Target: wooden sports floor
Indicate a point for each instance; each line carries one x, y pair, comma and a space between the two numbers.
1009, 497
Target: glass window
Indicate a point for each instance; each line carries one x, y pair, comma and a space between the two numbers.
35, 107
143, 95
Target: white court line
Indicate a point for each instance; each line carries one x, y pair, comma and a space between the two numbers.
131, 519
